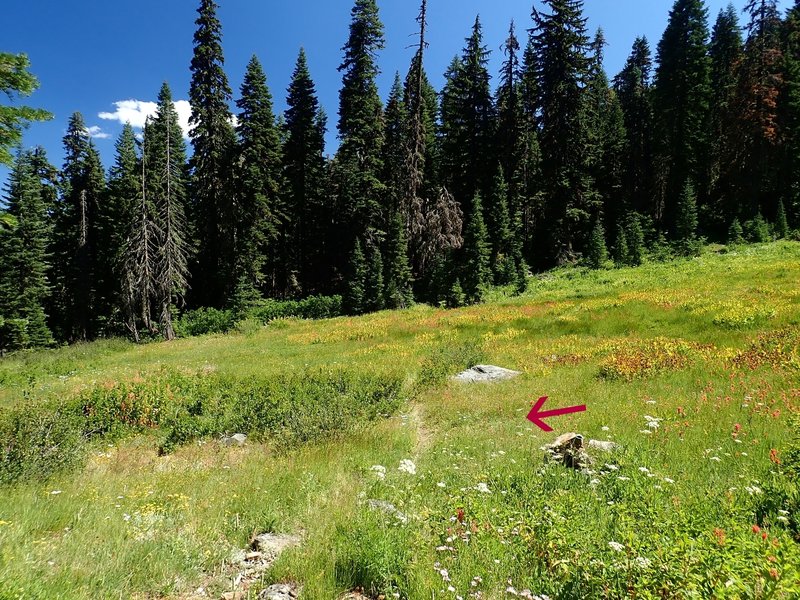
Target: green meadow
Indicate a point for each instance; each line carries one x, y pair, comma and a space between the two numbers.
116, 480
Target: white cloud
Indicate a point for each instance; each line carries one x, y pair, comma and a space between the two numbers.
95, 132
136, 113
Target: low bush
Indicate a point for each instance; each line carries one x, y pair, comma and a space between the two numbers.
205, 321
447, 361
38, 441
313, 307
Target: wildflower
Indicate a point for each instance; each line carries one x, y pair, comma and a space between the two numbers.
773, 457
774, 573
55, 492
642, 562
612, 467
644, 469
623, 478
756, 529
668, 480
407, 466
616, 546
440, 484
483, 488
606, 429
720, 535
715, 459
379, 470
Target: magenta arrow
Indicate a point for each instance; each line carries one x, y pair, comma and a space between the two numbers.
535, 416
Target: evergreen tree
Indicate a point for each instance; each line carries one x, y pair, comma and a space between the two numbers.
687, 243
634, 238
597, 253
361, 128
467, 123
760, 82
498, 227
560, 45
736, 233
399, 292
213, 140
510, 135
633, 88
258, 189
476, 270
619, 251
530, 198
605, 137
16, 81
781, 223
306, 231
681, 98
118, 217
165, 163
354, 297
24, 285
374, 291
74, 270
790, 113
395, 150
725, 52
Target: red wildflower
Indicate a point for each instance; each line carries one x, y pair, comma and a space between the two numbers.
720, 535
774, 573
773, 456
460, 515
756, 529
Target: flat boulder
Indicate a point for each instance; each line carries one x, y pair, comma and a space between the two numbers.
280, 591
486, 374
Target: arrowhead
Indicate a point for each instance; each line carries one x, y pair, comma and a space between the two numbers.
534, 417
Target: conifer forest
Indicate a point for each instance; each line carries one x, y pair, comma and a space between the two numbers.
432, 196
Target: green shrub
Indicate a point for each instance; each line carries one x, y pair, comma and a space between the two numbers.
313, 307
204, 321
447, 361
38, 441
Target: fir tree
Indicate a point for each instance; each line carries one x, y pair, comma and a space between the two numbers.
306, 231
619, 251
455, 295
736, 233
374, 291
395, 150
498, 227
361, 127
790, 115
781, 223
560, 44
760, 82
24, 285
726, 55
476, 270
399, 292
633, 88
258, 188
124, 185
354, 297
681, 98
213, 140
467, 123
510, 135
634, 238
165, 160
74, 269
687, 243
597, 254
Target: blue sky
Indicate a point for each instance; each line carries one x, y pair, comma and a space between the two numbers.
91, 54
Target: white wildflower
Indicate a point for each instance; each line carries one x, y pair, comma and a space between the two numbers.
668, 480
379, 470
715, 459
483, 488
616, 546
407, 466
440, 484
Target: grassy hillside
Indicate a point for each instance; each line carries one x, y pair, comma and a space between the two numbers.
151, 504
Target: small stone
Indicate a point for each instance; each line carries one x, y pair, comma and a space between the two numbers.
251, 556
237, 439
280, 591
604, 446
233, 596
486, 373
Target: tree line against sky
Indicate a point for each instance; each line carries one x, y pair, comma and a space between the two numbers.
432, 196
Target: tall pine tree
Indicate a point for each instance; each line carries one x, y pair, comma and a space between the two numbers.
681, 98
213, 140
560, 45
259, 266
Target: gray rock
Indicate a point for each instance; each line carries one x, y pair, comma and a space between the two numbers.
486, 374
280, 591
237, 439
604, 446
